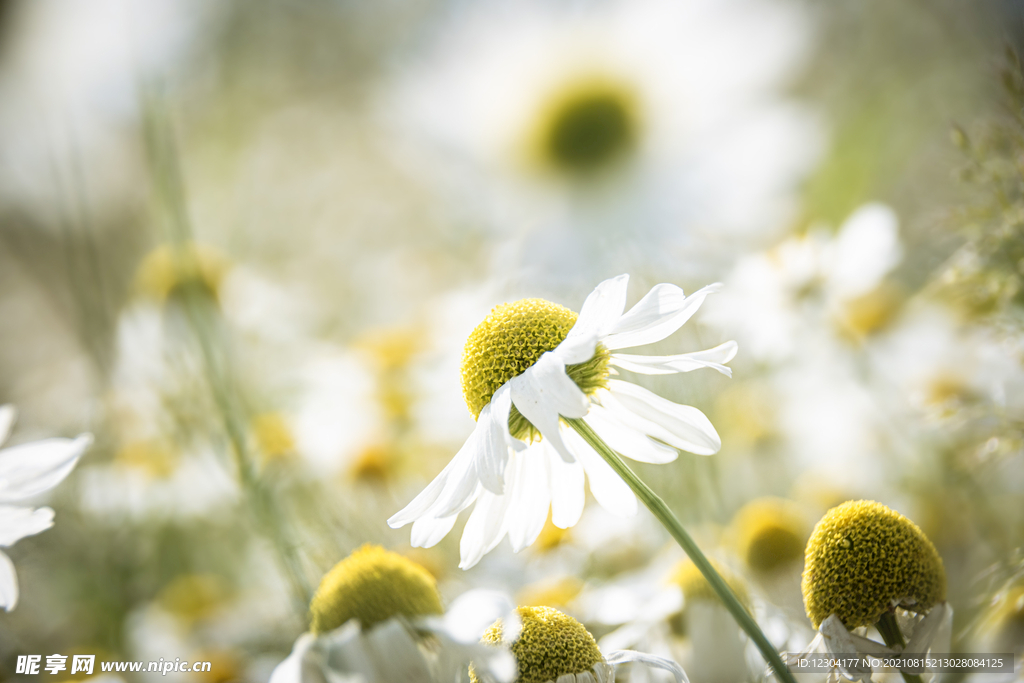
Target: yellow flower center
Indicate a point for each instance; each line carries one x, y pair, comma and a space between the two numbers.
273, 435
510, 340
192, 597
373, 585
550, 644
863, 559
697, 589
770, 534
173, 270
588, 127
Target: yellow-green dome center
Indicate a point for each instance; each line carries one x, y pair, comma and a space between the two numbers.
589, 128
373, 585
550, 644
862, 559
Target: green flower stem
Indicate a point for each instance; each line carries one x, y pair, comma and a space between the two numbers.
890, 632
664, 515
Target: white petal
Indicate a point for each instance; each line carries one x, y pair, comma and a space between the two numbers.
653, 661
626, 441
493, 455
576, 349
613, 494
602, 309
17, 523
715, 359
8, 583
485, 527
604, 673
544, 392
394, 653
29, 469
291, 669
663, 311
428, 532
585, 677
529, 508
681, 426
7, 415
567, 493
925, 631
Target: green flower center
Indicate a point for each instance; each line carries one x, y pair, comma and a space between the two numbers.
770, 534
550, 644
589, 128
510, 340
373, 585
864, 558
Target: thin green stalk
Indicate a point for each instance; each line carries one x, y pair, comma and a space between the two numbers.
664, 515
889, 629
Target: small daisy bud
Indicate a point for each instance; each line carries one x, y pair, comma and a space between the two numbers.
373, 585
770, 534
550, 644
862, 559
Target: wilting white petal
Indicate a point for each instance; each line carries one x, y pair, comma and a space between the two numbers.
17, 523
428, 532
653, 661
544, 392
926, 629
485, 527
567, 494
715, 359
611, 492
29, 469
8, 583
681, 426
604, 673
584, 677
663, 311
602, 309
394, 654
529, 507
628, 442
301, 666
493, 454
839, 641
7, 415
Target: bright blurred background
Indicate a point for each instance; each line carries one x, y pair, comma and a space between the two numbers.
242, 243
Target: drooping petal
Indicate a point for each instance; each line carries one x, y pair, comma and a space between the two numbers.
581, 677
663, 311
8, 583
393, 653
567, 493
494, 442
7, 415
428, 531
613, 494
683, 427
17, 523
653, 661
544, 392
628, 442
715, 359
485, 527
297, 667
529, 509
601, 310
29, 469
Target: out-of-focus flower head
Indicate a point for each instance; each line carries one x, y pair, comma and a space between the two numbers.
769, 534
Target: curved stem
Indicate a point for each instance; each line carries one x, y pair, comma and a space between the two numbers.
668, 519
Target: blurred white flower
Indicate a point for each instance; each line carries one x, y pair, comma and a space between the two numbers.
528, 365
26, 471
613, 122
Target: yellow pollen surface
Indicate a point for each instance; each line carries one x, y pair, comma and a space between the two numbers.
373, 585
863, 558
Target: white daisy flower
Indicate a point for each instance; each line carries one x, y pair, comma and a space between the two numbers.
377, 617
26, 471
527, 366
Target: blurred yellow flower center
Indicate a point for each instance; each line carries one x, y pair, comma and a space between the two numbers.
588, 127
172, 270
550, 644
770, 534
696, 588
373, 585
862, 559
273, 435
510, 340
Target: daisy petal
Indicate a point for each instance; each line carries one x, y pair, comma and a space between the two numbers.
484, 529
602, 309
584, 677
493, 455
653, 661
291, 669
567, 494
8, 583
715, 359
532, 501
428, 532
17, 523
544, 392
628, 442
663, 311
7, 415
29, 469
683, 427
613, 494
